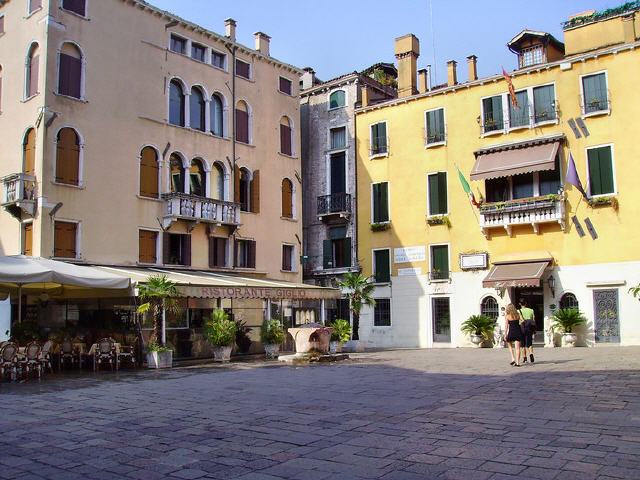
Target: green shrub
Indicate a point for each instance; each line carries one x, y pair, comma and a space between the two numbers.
219, 330
272, 332
566, 319
479, 325
341, 331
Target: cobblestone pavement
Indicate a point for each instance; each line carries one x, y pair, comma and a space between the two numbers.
396, 415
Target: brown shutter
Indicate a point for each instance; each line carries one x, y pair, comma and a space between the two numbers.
63, 74
186, 252
30, 153
235, 252
165, 248
236, 184
255, 192
1, 82
287, 199
64, 242
242, 126
285, 139
28, 239
34, 68
75, 77
251, 244
212, 252
147, 246
149, 172
2, 25
221, 252
68, 157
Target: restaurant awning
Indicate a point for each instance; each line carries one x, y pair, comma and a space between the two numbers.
516, 158
516, 274
201, 284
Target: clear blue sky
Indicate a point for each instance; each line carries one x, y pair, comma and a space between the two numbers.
340, 36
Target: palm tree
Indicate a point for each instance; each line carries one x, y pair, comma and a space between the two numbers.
359, 289
158, 294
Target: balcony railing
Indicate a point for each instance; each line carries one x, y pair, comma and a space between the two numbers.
526, 211
19, 194
194, 208
379, 146
600, 102
439, 275
334, 204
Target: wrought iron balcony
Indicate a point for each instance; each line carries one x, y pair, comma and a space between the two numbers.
183, 206
439, 275
19, 194
527, 211
338, 204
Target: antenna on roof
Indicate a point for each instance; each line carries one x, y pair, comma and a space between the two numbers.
433, 44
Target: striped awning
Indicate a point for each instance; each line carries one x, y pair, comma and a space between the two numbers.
516, 274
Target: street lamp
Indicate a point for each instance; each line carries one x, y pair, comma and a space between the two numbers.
551, 281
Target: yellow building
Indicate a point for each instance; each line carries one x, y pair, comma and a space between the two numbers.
437, 257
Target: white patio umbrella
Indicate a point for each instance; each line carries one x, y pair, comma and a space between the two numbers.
20, 271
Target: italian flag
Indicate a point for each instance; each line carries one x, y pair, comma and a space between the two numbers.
467, 188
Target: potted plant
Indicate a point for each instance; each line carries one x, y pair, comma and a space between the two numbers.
159, 295
340, 334
242, 336
358, 290
565, 319
271, 336
221, 333
479, 327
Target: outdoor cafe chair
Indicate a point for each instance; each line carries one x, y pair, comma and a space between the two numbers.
67, 352
105, 352
128, 354
31, 360
45, 356
9, 360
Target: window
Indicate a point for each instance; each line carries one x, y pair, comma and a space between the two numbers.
287, 258
519, 116
197, 178
600, 170
176, 171
176, 249
218, 59
1, 24
218, 252
287, 198
338, 182
492, 116
245, 254
380, 201
197, 107
522, 186
549, 180
378, 139
243, 191
242, 122
382, 312
337, 99
27, 239
439, 262
437, 186
34, 5
32, 72
70, 71
149, 173
497, 189
435, 132
338, 138
595, 97
147, 246
217, 115
489, 307
243, 69
176, 103
198, 52
218, 181
65, 238
382, 266
336, 250
544, 104
247, 190
68, 157
178, 45
0, 82
29, 152
569, 300
441, 315
532, 56
286, 86
75, 6
285, 136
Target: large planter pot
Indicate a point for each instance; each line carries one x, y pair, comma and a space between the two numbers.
272, 350
477, 340
221, 354
569, 339
160, 359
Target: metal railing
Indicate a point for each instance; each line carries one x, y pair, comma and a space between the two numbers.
379, 146
334, 203
596, 103
191, 207
491, 123
19, 187
436, 275
434, 137
530, 211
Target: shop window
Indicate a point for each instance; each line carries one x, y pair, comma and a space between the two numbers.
437, 186
68, 157
287, 258
178, 44
197, 107
149, 173
285, 136
65, 239
380, 202
337, 99
378, 139
439, 262
218, 252
600, 165
382, 312
147, 246
492, 115
434, 126
177, 173
569, 300
490, 308
287, 198
176, 249
243, 69
176, 104
197, 178
245, 254
336, 250
76, 6
198, 52
382, 265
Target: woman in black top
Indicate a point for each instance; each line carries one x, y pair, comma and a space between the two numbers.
513, 333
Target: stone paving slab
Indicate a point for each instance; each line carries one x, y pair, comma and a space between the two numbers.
392, 415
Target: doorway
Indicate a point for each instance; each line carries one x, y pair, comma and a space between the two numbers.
534, 297
440, 313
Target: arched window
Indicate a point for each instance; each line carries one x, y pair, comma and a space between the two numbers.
569, 300
217, 115
68, 157
32, 71
287, 198
176, 103
177, 173
149, 173
337, 99
245, 189
285, 136
197, 178
489, 307
217, 182
242, 122
70, 71
197, 108
29, 152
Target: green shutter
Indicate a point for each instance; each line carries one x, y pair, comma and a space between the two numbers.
595, 92
376, 202
435, 126
440, 261
600, 171
327, 254
543, 103
442, 191
438, 194
382, 270
380, 202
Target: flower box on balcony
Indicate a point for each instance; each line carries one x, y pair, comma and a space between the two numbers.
380, 227
604, 202
439, 220
520, 204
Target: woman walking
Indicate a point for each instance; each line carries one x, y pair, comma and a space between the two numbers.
528, 319
513, 333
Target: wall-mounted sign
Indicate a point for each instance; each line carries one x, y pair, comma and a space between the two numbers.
410, 254
474, 261
409, 272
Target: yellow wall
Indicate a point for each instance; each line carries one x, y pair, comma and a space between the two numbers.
408, 163
598, 34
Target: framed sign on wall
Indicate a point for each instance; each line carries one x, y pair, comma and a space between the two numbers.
474, 261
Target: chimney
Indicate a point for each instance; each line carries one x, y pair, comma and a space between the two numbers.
423, 83
407, 52
364, 96
230, 29
308, 78
629, 28
472, 63
452, 74
262, 43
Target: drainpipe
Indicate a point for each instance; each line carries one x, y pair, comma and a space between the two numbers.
232, 184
